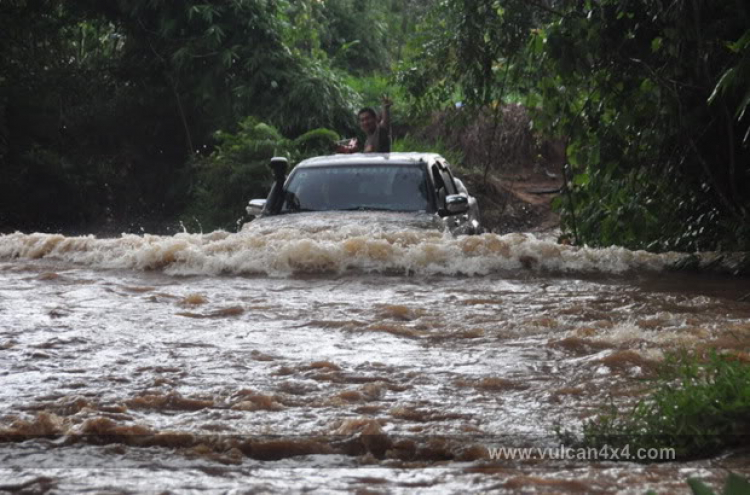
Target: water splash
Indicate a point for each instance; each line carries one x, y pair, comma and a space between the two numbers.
288, 250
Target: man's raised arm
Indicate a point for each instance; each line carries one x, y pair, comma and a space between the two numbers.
385, 114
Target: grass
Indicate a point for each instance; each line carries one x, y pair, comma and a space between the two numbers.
699, 407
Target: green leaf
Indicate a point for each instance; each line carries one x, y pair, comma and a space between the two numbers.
537, 42
743, 106
572, 153
736, 485
263, 130
594, 156
699, 488
216, 32
581, 179
656, 44
742, 43
181, 56
531, 100
227, 58
647, 85
195, 9
726, 80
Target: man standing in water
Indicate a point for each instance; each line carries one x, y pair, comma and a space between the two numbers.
377, 132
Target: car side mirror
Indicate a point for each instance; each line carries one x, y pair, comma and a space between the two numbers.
455, 204
279, 166
255, 207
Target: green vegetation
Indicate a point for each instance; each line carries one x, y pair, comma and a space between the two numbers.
238, 170
735, 485
651, 98
109, 110
411, 143
700, 405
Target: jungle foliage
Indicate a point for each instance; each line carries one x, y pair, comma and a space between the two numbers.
110, 110
651, 97
105, 107
698, 406
237, 170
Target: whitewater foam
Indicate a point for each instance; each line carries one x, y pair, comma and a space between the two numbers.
287, 251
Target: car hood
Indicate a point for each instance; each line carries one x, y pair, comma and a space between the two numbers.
372, 221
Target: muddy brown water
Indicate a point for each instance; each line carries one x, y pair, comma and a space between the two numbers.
346, 360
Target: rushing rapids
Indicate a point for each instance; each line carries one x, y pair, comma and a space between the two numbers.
279, 249
366, 358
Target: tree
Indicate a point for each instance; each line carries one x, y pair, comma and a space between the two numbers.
103, 103
649, 95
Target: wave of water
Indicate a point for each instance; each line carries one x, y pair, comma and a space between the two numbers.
289, 250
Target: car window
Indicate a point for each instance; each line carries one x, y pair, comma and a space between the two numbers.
444, 185
392, 187
452, 178
448, 181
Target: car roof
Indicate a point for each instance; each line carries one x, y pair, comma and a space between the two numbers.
407, 159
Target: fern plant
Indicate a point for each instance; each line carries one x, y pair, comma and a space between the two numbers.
238, 169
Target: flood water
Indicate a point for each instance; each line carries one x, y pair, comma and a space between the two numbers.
345, 360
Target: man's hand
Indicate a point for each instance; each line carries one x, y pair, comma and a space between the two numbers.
385, 117
349, 146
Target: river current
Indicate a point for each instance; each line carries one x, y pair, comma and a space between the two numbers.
283, 359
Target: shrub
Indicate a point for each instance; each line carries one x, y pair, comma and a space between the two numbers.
237, 170
700, 406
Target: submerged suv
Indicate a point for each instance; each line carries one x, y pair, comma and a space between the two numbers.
417, 185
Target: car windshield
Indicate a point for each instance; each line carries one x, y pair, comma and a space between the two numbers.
391, 188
